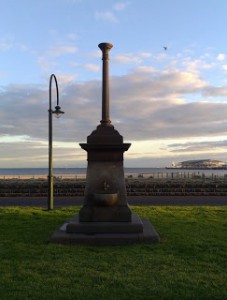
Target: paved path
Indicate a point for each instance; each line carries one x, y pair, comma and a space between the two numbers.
149, 200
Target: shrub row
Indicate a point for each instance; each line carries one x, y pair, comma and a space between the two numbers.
37, 188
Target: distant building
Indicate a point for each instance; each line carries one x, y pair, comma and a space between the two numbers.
199, 164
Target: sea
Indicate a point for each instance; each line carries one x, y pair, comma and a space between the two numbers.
155, 172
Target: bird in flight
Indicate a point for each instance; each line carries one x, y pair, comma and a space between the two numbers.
165, 48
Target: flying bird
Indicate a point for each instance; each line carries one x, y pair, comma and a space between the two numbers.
165, 48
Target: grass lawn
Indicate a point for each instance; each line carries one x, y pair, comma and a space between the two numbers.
189, 263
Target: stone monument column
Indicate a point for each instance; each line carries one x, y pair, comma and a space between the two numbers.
105, 217
105, 192
105, 47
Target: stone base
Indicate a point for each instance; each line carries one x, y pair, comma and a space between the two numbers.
105, 233
75, 226
115, 213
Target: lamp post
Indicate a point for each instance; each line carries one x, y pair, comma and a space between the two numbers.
57, 112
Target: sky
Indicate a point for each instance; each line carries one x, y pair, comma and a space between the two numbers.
171, 105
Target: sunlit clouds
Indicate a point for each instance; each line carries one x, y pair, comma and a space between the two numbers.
168, 84
148, 108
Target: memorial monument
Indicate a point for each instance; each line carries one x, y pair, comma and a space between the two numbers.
105, 218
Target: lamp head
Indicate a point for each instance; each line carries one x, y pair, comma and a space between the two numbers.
58, 112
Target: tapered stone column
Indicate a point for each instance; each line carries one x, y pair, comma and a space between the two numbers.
105, 47
105, 192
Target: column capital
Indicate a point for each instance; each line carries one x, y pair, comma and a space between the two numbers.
105, 47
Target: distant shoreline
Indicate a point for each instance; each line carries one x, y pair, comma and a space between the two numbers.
134, 173
40, 176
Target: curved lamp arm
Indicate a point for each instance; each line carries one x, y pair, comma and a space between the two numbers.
58, 112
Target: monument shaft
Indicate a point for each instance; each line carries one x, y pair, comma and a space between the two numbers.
105, 47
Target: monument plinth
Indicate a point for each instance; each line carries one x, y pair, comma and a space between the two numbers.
105, 217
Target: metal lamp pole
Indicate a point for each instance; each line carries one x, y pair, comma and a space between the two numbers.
58, 113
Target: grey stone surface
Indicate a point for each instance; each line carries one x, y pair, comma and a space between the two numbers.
147, 236
115, 213
75, 226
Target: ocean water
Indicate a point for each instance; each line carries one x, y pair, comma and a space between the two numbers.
128, 171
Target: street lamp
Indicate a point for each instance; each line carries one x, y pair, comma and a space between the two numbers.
57, 112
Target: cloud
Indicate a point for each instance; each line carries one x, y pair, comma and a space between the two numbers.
92, 67
145, 54
132, 58
143, 106
148, 98
224, 68
5, 138
128, 58
61, 50
64, 79
119, 6
213, 91
106, 16
2, 74
198, 146
111, 14
35, 154
221, 56
72, 36
53, 56
144, 69
195, 66
6, 43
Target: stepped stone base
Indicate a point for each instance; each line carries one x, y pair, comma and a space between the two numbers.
105, 233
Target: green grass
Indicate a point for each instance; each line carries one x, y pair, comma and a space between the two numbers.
189, 263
